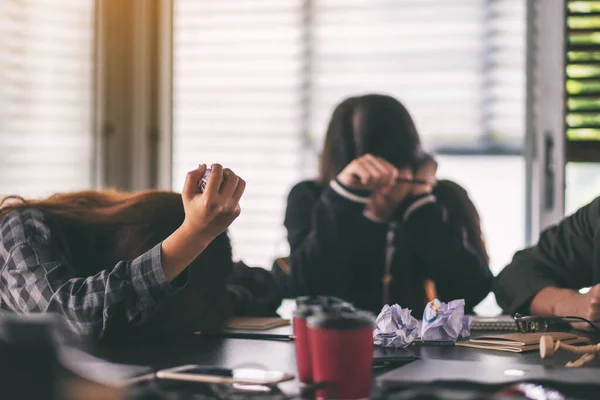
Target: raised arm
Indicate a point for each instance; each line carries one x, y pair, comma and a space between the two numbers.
323, 230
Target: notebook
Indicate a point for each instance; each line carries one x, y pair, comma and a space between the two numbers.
503, 323
259, 328
519, 342
256, 324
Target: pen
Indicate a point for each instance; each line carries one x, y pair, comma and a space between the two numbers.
248, 335
402, 180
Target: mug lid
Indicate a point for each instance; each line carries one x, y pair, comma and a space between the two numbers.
341, 320
320, 300
304, 311
343, 306
310, 300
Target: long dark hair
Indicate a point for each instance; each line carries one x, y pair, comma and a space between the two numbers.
373, 123
455, 199
109, 224
100, 228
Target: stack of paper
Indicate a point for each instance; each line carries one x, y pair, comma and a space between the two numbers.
519, 342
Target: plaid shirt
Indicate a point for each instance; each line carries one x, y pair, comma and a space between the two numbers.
35, 276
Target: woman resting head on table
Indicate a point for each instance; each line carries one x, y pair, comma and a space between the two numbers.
116, 264
376, 227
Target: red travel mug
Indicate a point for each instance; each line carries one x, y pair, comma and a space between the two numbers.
307, 306
341, 350
302, 344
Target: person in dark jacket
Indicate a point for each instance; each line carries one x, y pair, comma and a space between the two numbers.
545, 279
365, 231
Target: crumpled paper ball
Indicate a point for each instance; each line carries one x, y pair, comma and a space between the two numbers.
445, 322
466, 328
395, 327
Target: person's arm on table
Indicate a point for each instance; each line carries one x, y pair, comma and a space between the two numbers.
255, 291
546, 279
552, 300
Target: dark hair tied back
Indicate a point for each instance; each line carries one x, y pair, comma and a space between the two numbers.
373, 123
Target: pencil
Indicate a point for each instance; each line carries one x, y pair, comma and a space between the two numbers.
402, 180
413, 181
247, 335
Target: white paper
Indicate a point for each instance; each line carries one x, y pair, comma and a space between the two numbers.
445, 322
395, 327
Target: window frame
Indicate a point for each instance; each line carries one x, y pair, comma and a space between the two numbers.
132, 114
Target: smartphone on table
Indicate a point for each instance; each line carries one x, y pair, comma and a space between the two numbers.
242, 378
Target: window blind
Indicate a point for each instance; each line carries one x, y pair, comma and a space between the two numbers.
237, 101
505, 83
457, 66
46, 80
255, 83
583, 70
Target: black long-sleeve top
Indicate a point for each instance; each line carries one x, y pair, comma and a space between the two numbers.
338, 249
567, 256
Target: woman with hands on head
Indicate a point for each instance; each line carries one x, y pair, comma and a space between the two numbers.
112, 262
377, 227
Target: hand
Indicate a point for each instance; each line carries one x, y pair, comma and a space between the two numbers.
207, 215
368, 172
425, 172
581, 305
567, 302
383, 203
210, 213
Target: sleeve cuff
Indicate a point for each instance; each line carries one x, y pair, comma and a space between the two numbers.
241, 298
371, 217
514, 292
418, 203
356, 196
149, 280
